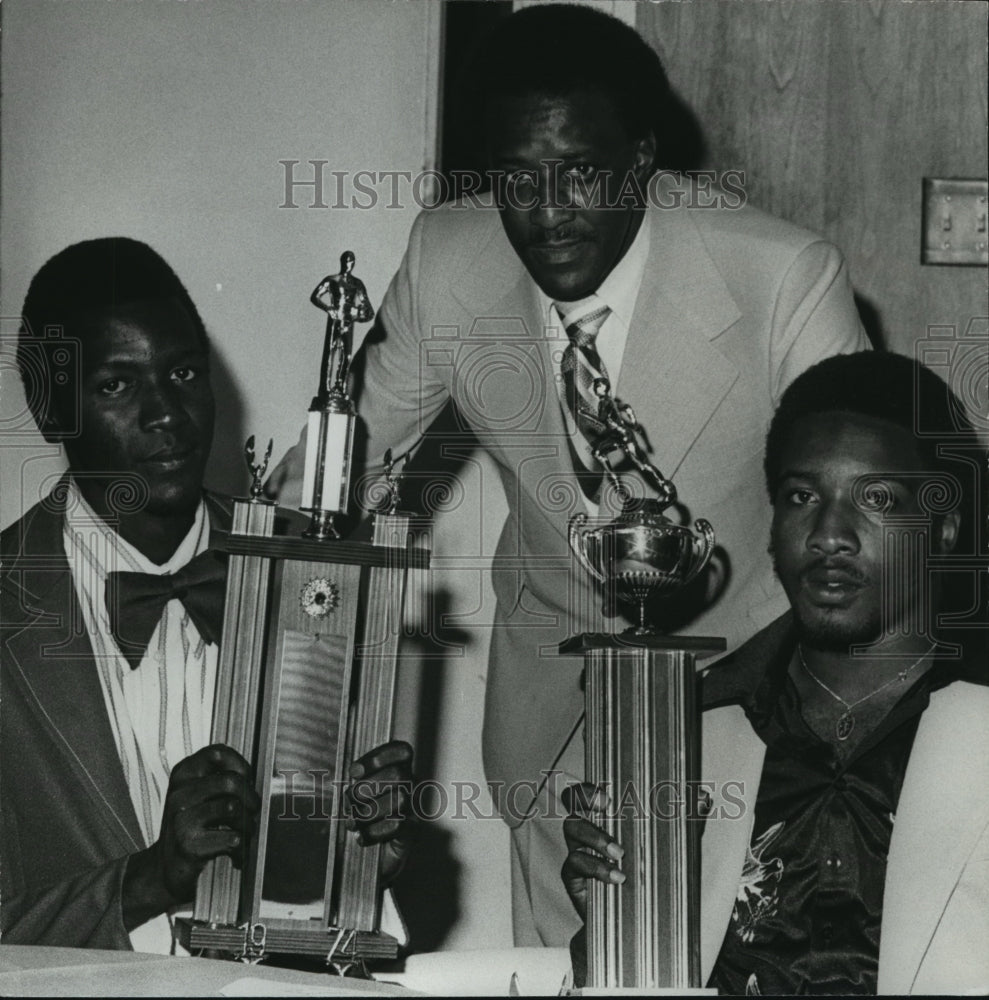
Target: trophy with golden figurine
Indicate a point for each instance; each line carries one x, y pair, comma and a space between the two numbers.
642, 727
305, 685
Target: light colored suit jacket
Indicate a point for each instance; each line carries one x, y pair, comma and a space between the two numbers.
733, 305
935, 923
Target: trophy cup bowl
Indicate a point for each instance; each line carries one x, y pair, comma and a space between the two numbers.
641, 553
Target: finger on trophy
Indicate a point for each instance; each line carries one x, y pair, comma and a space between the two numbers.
592, 851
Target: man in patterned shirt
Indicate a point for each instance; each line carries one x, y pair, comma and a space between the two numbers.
855, 727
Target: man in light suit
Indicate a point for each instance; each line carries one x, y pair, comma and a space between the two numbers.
847, 744
113, 799
705, 315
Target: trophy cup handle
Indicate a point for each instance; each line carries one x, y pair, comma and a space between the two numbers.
575, 537
703, 547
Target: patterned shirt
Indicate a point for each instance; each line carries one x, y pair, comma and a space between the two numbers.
808, 911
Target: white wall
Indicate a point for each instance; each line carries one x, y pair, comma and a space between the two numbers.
166, 121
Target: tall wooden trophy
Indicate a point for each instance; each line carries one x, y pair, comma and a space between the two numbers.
642, 731
305, 685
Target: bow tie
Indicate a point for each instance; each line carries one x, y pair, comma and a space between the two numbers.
135, 602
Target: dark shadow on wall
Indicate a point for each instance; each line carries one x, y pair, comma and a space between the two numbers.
227, 471
680, 142
872, 322
467, 23
429, 890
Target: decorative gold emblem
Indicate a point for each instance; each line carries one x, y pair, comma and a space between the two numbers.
319, 597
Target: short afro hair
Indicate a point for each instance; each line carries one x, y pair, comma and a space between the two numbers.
560, 49
79, 285
876, 384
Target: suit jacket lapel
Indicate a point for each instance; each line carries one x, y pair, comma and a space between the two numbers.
672, 374
51, 660
502, 314
732, 762
489, 273
942, 811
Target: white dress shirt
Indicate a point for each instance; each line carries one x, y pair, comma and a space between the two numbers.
161, 712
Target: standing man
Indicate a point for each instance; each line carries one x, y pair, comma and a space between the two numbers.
591, 266
847, 744
111, 604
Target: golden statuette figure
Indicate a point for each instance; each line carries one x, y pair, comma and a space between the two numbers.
326, 477
344, 299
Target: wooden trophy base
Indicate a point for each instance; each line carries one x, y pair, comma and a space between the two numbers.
285, 937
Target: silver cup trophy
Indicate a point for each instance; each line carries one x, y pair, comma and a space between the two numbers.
642, 727
642, 553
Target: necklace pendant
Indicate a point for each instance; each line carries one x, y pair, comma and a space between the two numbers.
844, 726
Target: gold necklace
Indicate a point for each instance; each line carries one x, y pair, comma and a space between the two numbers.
846, 721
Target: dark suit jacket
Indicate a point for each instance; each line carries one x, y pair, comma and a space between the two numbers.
68, 825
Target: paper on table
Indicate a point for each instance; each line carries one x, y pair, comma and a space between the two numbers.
251, 986
536, 971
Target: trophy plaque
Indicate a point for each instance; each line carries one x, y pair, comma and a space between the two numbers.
642, 731
305, 685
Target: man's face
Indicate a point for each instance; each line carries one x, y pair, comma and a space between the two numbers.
842, 475
145, 406
564, 160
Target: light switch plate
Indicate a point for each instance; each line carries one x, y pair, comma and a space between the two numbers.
955, 222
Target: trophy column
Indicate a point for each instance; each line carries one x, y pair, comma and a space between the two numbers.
643, 747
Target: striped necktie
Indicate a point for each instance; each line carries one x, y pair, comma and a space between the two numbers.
579, 367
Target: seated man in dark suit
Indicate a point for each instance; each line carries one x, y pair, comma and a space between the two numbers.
113, 799
851, 710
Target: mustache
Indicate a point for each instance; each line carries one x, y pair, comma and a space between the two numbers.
833, 564
174, 447
561, 235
